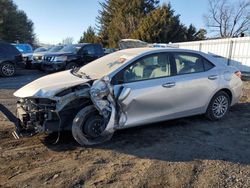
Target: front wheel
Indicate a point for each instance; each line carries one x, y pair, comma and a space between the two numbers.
218, 106
88, 127
7, 69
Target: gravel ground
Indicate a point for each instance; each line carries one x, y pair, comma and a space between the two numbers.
188, 152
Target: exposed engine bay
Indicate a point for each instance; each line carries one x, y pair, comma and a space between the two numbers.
74, 104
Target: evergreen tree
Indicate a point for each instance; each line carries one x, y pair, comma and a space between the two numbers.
118, 18
192, 34
14, 24
161, 26
89, 36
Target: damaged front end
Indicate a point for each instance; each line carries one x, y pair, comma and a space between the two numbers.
71, 109
37, 115
102, 115
90, 110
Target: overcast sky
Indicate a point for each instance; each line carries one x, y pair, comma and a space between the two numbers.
55, 20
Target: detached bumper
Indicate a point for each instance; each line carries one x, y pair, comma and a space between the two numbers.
19, 131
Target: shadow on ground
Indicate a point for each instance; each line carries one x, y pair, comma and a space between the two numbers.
185, 139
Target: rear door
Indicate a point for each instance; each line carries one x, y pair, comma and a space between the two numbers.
195, 81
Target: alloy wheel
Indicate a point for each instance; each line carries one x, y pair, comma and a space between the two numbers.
220, 106
8, 69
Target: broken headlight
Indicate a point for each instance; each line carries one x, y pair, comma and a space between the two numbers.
100, 90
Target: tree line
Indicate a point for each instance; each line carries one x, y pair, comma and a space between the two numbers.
146, 20
149, 21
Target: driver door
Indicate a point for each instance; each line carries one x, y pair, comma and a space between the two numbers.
148, 93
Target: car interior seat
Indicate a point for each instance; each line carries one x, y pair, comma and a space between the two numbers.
198, 66
163, 68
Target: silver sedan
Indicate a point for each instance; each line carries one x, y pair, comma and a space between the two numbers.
129, 88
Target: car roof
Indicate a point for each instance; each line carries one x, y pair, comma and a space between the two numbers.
149, 50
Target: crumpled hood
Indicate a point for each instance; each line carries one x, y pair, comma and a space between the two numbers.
48, 86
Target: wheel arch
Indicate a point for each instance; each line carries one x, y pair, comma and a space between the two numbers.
226, 90
8, 61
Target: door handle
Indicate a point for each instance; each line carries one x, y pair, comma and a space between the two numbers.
169, 85
213, 77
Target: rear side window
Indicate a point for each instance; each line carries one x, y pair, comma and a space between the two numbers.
207, 65
190, 63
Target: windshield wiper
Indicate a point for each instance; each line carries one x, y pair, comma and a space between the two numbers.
83, 74
75, 71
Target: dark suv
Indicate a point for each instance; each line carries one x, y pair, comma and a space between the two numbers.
71, 56
10, 58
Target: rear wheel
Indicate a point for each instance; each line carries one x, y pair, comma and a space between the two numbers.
7, 69
218, 106
88, 127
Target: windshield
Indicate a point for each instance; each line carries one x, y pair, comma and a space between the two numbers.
41, 49
24, 48
55, 49
70, 48
105, 65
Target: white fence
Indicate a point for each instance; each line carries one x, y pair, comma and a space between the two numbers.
233, 51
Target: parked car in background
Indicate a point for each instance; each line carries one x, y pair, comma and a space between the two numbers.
38, 56
40, 49
131, 43
71, 56
10, 58
128, 88
38, 53
27, 53
109, 50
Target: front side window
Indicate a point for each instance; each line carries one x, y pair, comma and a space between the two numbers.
188, 63
150, 67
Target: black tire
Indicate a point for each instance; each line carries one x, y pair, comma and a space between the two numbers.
218, 106
82, 127
70, 66
7, 69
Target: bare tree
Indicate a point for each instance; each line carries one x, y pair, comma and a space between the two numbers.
228, 19
68, 40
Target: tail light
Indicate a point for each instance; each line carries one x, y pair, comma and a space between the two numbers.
238, 73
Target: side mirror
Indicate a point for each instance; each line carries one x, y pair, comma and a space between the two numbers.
106, 79
124, 94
